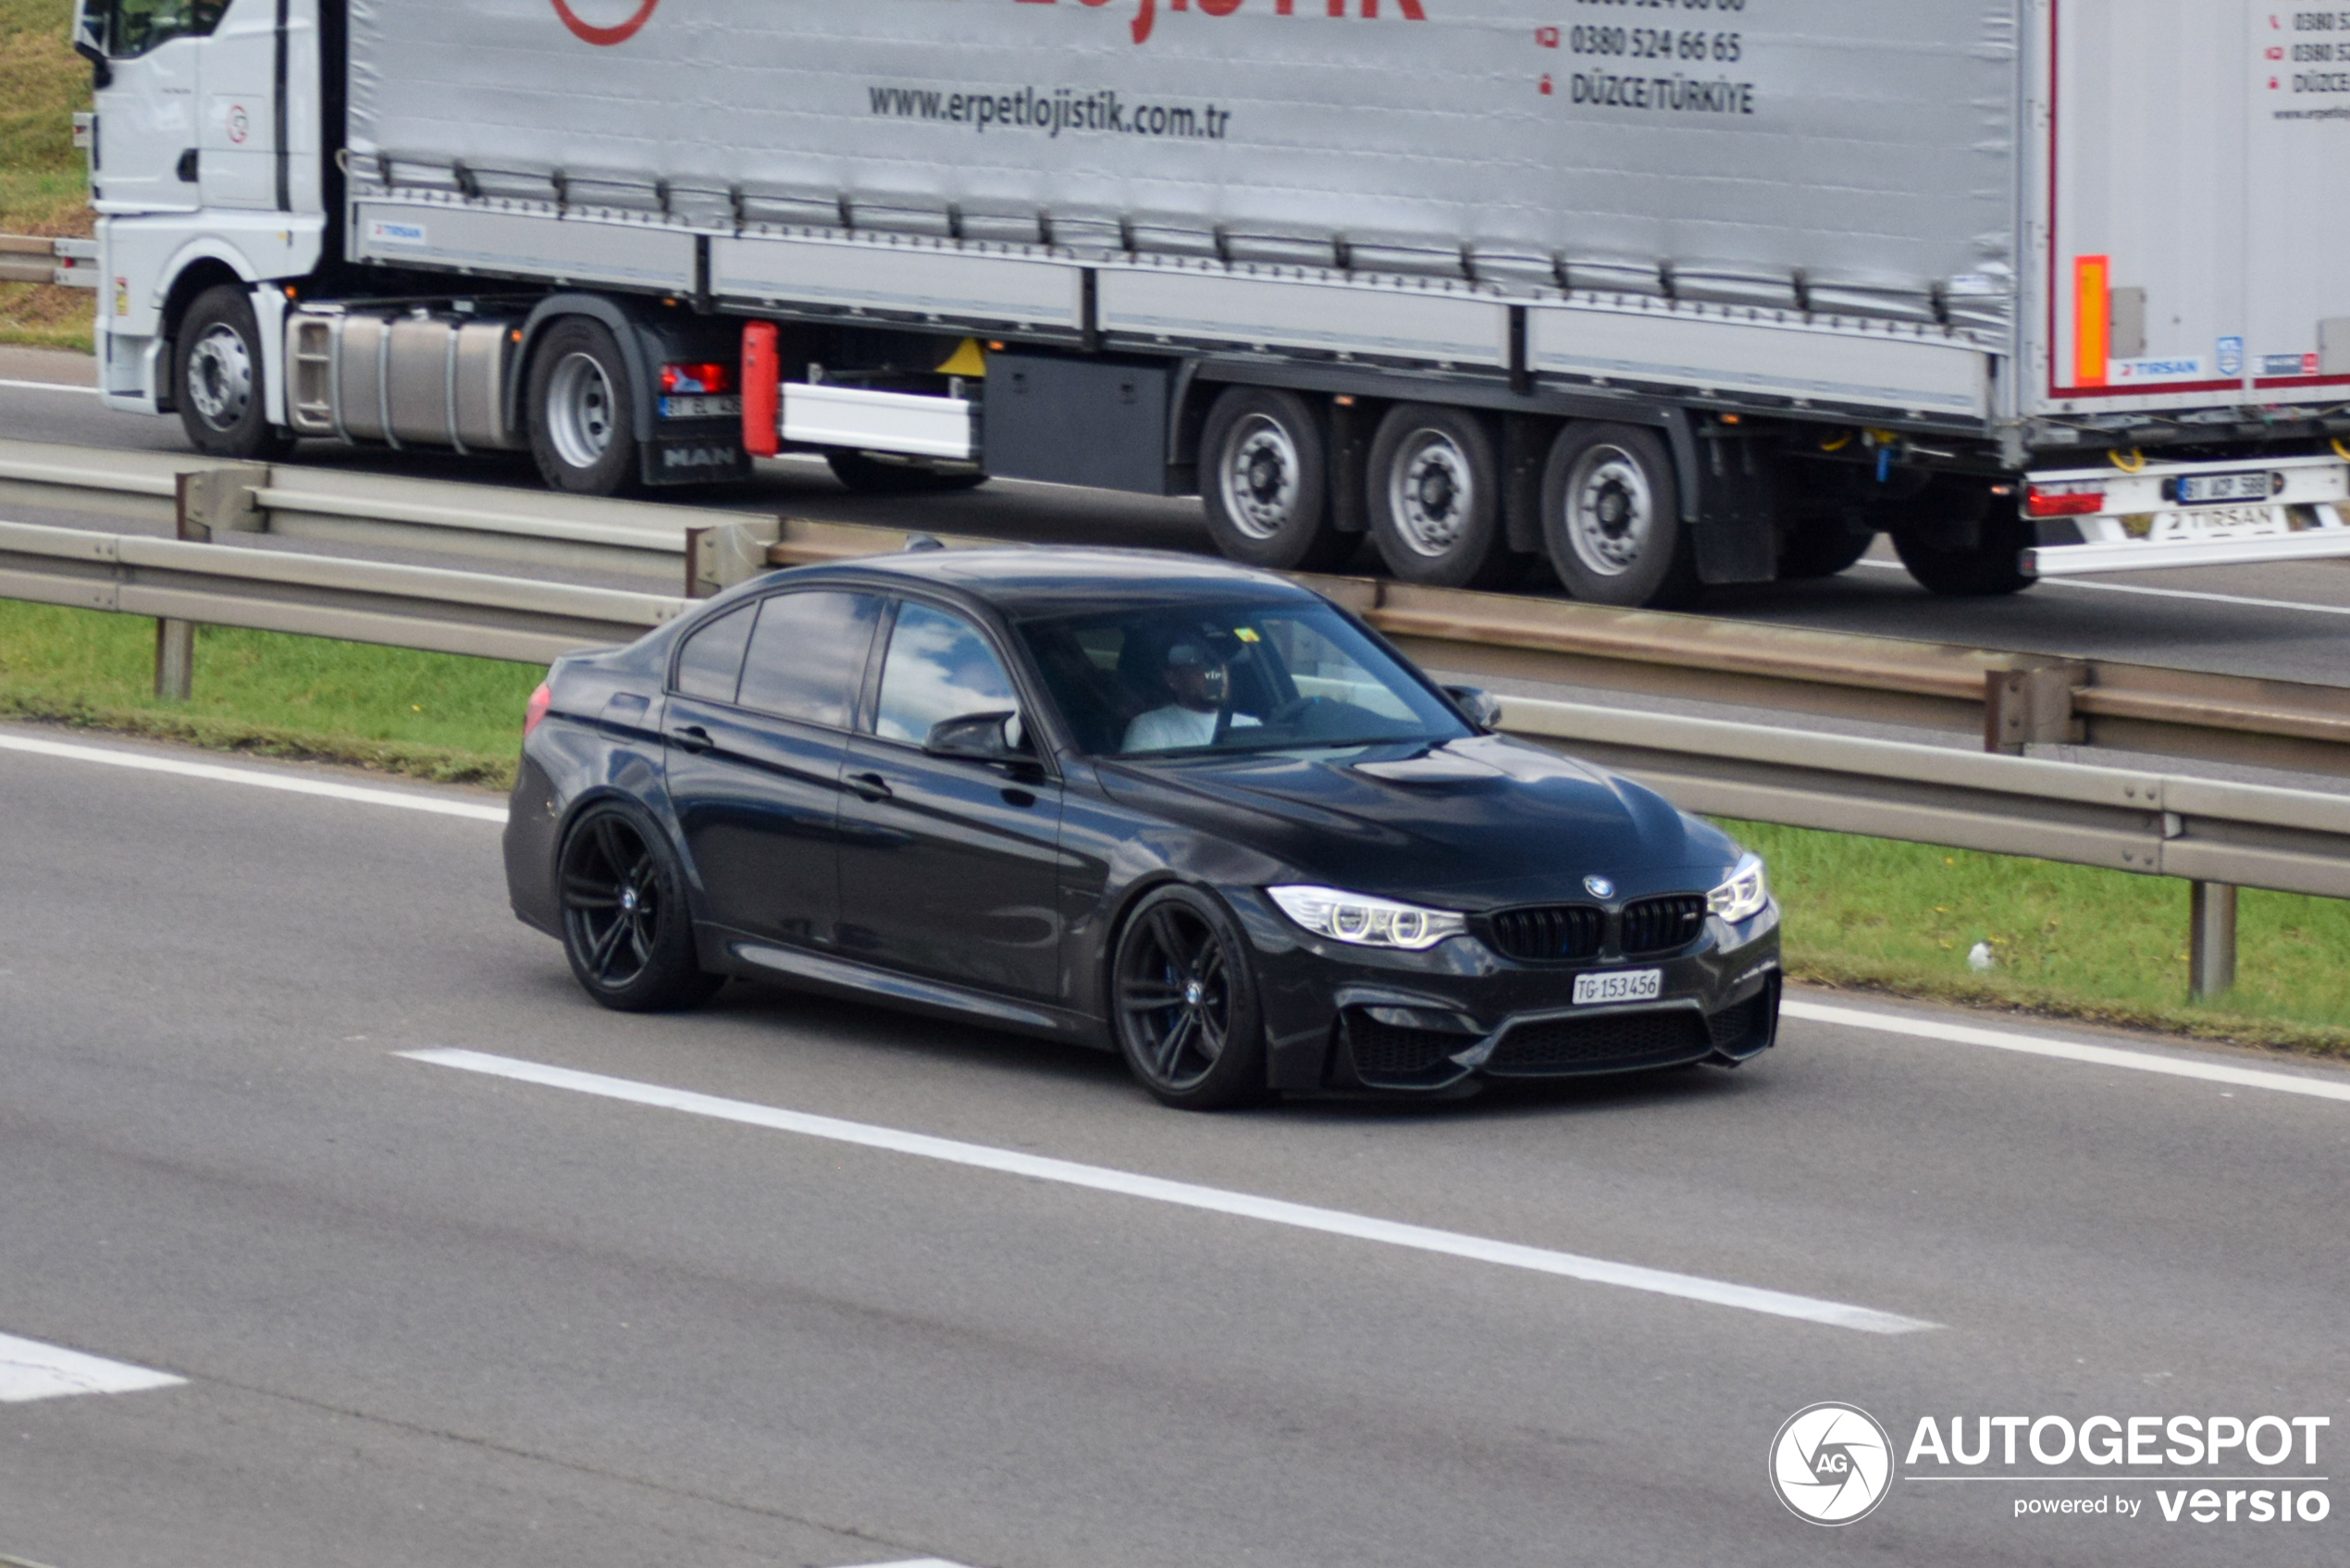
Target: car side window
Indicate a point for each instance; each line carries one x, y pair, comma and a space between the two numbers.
938, 667
808, 656
710, 665
131, 27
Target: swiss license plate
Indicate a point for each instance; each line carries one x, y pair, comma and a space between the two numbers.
1623, 985
2219, 489
705, 406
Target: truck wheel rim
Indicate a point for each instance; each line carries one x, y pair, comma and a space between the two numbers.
1430, 493
1611, 511
220, 377
1260, 478
579, 409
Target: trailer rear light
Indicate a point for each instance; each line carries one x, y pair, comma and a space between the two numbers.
710, 375
2064, 500
540, 700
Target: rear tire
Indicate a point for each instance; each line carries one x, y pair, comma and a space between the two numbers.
625, 924
1264, 481
1819, 544
1183, 1003
1985, 569
1611, 518
218, 379
583, 430
1436, 493
871, 474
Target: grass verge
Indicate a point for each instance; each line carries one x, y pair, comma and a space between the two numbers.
427, 715
1862, 913
44, 185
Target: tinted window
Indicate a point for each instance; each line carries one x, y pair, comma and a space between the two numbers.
938, 668
133, 26
808, 656
711, 661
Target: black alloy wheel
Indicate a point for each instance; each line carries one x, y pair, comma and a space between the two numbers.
626, 929
1263, 482
1185, 1009
218, 378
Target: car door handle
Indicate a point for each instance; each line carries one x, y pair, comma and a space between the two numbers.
692, 737
869, 786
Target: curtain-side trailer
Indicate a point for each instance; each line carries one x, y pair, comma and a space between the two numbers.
1669, 291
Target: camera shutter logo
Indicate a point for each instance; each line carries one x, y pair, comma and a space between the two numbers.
1831, 1463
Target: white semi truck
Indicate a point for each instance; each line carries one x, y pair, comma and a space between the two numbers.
1670, 291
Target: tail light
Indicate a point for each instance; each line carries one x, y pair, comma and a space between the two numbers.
540, 700
712, 375
2063, 501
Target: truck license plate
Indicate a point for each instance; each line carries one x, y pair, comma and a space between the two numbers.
2219, 489
1624, 985
711, 405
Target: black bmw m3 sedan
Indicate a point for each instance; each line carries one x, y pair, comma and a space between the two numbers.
1192, 812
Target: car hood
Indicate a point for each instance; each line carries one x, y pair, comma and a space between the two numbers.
1486, 820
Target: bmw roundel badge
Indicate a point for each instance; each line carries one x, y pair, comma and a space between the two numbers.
1598, 887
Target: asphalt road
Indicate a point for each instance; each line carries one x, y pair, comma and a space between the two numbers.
2283, 621
431, 1317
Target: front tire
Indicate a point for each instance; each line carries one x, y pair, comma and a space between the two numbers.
1263, 482
625, 924
1436, 493
219, 379
1611, 518
583, 432
1183, 1004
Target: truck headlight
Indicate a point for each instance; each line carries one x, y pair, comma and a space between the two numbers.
1365, 921
1745, 894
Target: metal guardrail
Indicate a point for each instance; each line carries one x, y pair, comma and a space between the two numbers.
29, 258
2011, 700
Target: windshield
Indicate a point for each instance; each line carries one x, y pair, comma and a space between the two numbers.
1245, 677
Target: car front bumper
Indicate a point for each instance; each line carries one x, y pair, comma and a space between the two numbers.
1345, 1017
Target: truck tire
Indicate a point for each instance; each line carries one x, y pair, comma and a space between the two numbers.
1611, 518
1819, 544
1264, 481
873, 476
1985, 569
218, 378
1435, 492
583, 432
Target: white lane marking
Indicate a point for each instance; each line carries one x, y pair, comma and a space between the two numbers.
1102, 1179
258, 778
48, 387
2065, 1050
914, 1563
2164, 593
30, 1370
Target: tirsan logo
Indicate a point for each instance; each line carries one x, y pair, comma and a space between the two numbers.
1831, 1463
605, 22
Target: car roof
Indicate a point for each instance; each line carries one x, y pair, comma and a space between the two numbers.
1027, 582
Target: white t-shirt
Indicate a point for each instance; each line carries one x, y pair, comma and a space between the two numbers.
1174, 727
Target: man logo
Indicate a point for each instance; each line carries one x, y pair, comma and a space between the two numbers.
616, 29
1831, 1463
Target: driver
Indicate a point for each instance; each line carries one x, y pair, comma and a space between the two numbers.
1200, 685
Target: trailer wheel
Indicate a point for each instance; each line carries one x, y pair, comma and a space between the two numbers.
1983, 570
871, 474
1263, 480
1611, 518
583, 432
1820, 544
1435, 494
220, 381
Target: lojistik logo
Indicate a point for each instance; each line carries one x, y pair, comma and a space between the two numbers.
620, 28
1831, 1463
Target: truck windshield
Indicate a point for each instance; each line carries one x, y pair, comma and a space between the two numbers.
128, 28
1242, 677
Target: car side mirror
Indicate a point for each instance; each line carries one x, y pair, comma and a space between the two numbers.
1479, 707
979, 737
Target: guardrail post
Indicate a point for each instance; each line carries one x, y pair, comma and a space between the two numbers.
175, 660
719, 556
221, 500
2211, 948
2024, 708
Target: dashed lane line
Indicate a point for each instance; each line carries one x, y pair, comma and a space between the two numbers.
1185, 1194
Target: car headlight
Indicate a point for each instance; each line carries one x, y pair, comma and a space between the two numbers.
1364, 920
1745, 894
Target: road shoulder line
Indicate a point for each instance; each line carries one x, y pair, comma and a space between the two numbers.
257, 778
